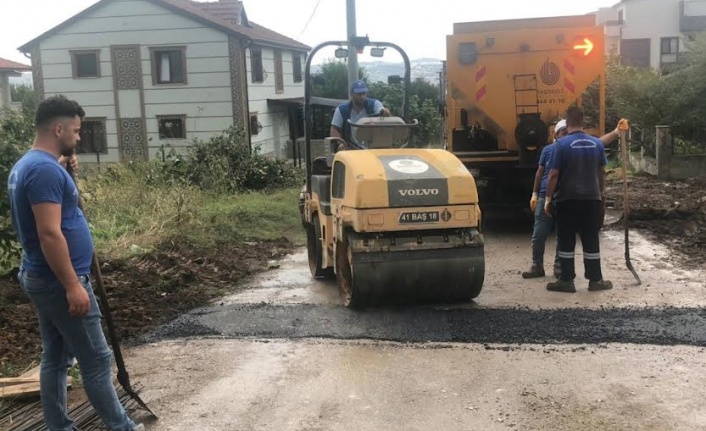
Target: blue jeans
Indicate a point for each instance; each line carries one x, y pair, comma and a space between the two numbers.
63, 338
542, 228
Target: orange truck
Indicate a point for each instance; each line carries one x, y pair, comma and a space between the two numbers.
507, 83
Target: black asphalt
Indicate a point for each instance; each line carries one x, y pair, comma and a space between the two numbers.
669, 326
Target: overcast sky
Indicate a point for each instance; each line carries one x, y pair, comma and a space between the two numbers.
420, 29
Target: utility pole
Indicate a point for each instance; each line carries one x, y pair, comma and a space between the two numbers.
352, 53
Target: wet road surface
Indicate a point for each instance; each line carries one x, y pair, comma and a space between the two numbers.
283, 354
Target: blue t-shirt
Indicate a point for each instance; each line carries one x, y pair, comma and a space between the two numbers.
543, 162
578, 157
39, 178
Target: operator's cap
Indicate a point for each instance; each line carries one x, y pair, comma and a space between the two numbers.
359, 87
561, 124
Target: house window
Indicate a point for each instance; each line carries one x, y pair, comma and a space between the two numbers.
256, 65
297, 67
168, 65
279, 73
669, 49
93, 137
172, 126
255, 125
621, 16
85, 64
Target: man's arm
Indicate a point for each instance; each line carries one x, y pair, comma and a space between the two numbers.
378, 108
535, 187
336, 124
609, 137
551, 185
56, 252
602, 181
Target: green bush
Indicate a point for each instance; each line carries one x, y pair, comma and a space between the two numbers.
16, 135
224, 163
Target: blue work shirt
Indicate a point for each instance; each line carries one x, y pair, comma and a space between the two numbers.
578, 156
544, 158
39, 178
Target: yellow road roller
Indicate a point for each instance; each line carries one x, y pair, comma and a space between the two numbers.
391, 223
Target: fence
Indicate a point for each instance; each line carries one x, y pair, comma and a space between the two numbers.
668, 164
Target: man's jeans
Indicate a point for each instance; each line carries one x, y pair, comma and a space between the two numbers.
63, 337
542, 228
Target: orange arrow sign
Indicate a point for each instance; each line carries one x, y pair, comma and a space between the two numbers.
587, 46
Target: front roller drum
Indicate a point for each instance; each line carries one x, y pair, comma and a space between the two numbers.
447, 275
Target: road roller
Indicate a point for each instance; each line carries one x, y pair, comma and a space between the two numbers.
391, 222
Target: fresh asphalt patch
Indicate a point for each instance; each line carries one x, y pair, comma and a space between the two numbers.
655, 326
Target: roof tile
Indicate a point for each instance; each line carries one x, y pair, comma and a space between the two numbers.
6, 65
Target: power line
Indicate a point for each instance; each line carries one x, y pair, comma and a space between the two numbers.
310, 18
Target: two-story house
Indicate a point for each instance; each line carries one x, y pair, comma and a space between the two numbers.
652, 33
9, 69
153, 72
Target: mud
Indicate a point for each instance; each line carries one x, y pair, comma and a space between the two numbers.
143, 291
672, 213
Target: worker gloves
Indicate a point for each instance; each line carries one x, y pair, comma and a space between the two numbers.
533, 201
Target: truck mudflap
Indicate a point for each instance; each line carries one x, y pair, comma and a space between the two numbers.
429, 267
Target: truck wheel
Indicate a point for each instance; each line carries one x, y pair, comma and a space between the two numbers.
315, 250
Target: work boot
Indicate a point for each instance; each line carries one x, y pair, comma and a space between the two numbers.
562, 286
599, 285
534, 272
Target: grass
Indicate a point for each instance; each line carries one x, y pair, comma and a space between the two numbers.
128, 216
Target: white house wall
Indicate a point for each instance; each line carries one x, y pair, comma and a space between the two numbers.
273, 137
205, 100
643, 22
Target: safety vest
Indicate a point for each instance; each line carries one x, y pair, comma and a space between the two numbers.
345, 109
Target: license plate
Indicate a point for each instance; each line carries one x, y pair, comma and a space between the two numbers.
420, 217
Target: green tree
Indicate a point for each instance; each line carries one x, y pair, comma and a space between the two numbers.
16, 135
423, 106
332, 82
25, 94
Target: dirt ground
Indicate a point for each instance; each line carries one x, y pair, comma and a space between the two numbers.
142, 292
673, 213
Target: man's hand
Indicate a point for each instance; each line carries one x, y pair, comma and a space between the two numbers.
548, 207
533, 201
69, 161
79, 302
385, 112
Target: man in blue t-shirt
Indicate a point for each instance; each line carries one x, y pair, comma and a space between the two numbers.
577, 184
542, 222
57, 254
360, 106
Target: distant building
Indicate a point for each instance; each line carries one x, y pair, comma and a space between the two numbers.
9, 69
651, 33
153, 72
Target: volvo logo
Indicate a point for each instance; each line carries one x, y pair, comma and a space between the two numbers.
419, 192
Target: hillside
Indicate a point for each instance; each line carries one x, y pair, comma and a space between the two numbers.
427, 68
